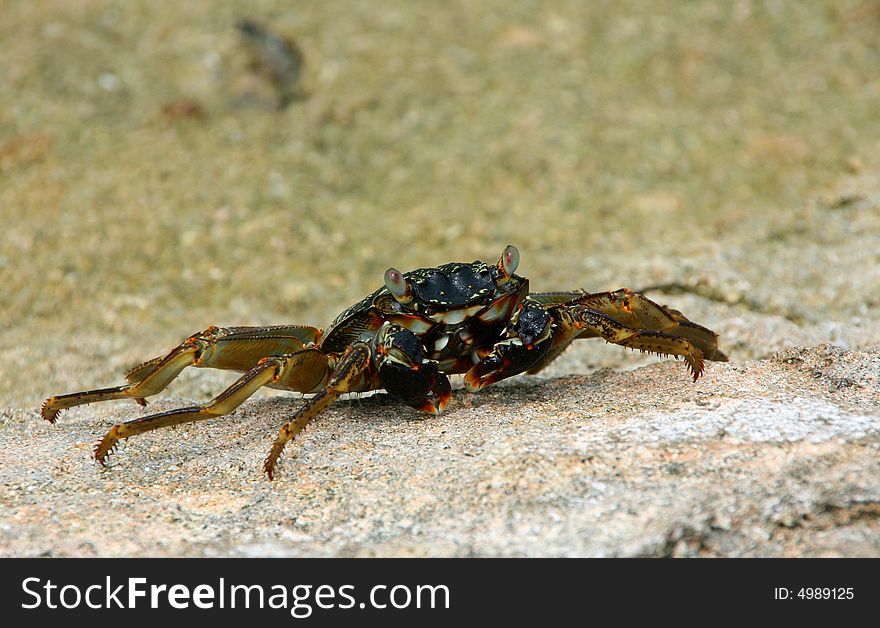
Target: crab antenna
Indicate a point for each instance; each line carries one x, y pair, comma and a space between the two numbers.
508, 263
398, 286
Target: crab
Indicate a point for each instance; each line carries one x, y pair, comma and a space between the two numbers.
407, 337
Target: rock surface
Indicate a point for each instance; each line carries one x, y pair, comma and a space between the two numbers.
779, 457
726, 161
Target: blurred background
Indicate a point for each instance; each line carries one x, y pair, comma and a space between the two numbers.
166, 166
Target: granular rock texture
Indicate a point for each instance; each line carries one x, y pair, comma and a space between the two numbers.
158, 176
779, 457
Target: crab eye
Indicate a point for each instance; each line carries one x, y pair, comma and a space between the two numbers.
508, 263
510, 259
397, 285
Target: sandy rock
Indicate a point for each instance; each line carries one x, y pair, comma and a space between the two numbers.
148, 191
765, 458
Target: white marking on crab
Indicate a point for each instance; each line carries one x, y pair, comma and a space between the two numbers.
453, 317
498, 310
441, 342
413, 324
397, 356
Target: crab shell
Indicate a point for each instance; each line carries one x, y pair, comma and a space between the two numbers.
453, 309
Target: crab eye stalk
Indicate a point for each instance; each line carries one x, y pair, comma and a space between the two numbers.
508, 263
398, 286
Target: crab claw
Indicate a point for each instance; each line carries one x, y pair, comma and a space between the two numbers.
508, 358
407, 374
530, 337
437, 398
487, 371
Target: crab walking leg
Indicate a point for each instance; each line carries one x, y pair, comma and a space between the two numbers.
634, 309
347, 376
231, 348
628, 308
615, 332
241, 348
302, 370
162, 375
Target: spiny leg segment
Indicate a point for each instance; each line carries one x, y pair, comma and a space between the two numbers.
637, 311
304, 370
231, 348
630, 319
348, 376
598, 324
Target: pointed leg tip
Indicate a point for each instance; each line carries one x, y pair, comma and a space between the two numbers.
269, 469
100, 455
106, 446
695, 363
270, 464
48, 412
